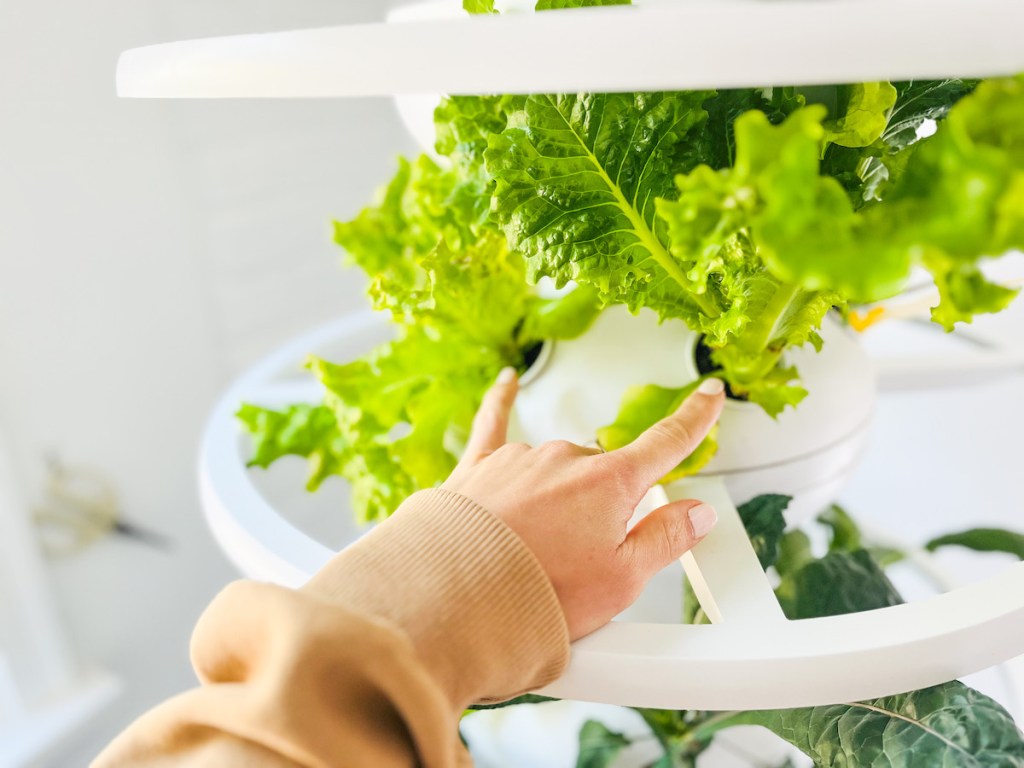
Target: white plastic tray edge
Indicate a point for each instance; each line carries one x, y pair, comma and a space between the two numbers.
698, 44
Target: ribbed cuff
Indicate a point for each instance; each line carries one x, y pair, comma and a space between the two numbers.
473, 599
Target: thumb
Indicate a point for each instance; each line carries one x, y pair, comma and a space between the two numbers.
669, 532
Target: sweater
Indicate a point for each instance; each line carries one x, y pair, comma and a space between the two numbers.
373, 661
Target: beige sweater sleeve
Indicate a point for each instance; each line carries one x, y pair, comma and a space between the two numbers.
373, 661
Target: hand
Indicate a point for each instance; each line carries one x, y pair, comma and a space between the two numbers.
571, 504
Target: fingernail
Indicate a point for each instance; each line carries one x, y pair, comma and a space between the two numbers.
702, 519
507, 375
711, 387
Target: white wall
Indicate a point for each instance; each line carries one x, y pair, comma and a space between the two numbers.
148, 250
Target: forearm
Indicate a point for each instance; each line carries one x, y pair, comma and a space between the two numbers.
374, 660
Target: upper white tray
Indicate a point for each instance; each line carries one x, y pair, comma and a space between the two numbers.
684, 45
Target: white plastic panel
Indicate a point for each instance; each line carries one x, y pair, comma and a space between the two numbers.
699, 44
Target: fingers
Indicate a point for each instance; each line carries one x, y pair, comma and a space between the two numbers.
490, 426
659, 450
668, 533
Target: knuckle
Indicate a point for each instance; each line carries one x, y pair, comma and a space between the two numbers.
624, 474
675, 532
513, 448
560, 448
675, 432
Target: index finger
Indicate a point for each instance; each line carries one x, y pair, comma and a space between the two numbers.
490, 426
661, 448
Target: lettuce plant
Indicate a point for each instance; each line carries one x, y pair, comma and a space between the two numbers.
747, 214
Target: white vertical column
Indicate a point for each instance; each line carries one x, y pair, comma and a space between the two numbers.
32, 642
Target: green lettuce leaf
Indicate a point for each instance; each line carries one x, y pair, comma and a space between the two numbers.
567, 317
715, 144
583, 190
765, 524
478, 6
845, 533
776, 273
463, 125
309, 431
982, 540
867, 172
406, 411
918, 101
794, 553
804, 226
577, 179
839, 583
946, 725
599, 746
864, 116
550, 5
961, 199
384, 239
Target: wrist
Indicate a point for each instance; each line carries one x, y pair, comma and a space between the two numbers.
465, 589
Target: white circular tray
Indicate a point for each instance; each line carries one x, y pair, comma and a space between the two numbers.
753, 659
659, 46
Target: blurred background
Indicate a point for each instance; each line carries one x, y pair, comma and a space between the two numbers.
149, 252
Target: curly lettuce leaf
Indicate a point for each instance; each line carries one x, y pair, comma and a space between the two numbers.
308, 431
864, 115
478, 6
464, 310
577, 178
802, 223
406, 411
711, 228
382, 239
463, 125
961, 198
553, 5
420, 209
